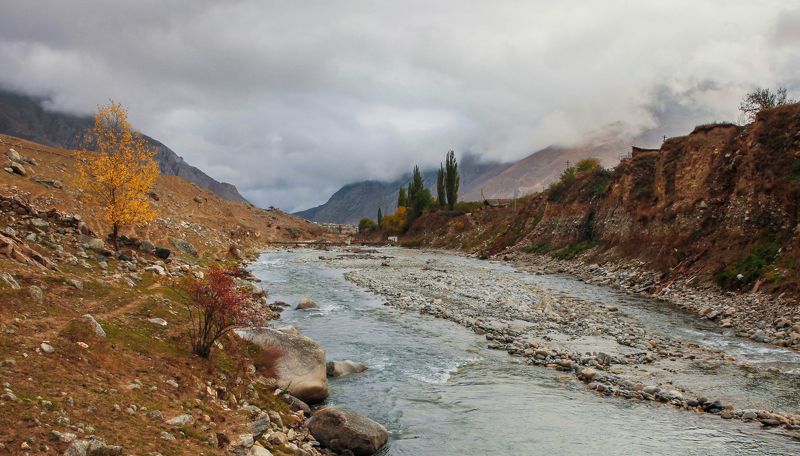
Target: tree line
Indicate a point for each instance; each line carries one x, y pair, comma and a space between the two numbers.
415, 199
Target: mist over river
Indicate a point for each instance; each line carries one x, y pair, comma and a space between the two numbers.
439, 390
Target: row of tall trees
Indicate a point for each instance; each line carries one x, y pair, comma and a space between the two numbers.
414, 199
448, 181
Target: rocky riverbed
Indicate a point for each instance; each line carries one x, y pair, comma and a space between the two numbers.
614, 348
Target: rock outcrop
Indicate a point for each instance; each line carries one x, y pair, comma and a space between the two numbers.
301, 367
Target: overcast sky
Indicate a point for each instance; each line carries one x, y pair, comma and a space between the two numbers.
291, 99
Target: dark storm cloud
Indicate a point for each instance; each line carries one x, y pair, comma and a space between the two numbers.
290, 100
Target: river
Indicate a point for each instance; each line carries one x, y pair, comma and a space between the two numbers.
440, 391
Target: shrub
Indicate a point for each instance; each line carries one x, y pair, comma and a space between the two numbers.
573, 250
216, 307
395, 223
366, 225
761, 99
748, 268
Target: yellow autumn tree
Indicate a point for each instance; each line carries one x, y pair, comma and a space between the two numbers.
119, 174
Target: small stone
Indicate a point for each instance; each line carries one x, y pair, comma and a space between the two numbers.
181, 420
167, 436
158, 321
98, 330
36, 294
47, 348
75, 283
63, 437
17, 168
749, 415
156, 269
651, 389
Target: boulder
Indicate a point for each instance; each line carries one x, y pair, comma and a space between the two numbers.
306, 304
96, 244
158, 321
14, 156
183, 246
92, 447
340, 430
147, 247
256, 450
156, 269
342, 368
162, 253
181, 420
260, 425
300, 370
296, 404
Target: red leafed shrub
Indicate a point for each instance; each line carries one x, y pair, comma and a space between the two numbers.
216, 307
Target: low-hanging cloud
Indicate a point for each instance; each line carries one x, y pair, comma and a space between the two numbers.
290, 100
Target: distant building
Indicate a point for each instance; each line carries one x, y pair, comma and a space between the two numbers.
392, 238
339, 228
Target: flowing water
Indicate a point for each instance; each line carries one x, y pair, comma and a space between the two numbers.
439, 391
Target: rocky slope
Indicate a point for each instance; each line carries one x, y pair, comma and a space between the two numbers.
23, 116
94, 355
718, 207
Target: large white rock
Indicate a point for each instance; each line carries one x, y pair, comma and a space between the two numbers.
301, 368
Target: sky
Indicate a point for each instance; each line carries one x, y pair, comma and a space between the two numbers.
289, 100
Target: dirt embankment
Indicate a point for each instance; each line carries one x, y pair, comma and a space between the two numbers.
717, 208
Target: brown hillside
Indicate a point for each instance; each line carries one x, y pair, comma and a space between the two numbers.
63, 383
185, 210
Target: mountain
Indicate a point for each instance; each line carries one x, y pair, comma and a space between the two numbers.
25, 117
479, 180
362, 199
536, 171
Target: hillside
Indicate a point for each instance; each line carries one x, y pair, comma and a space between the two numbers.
95, 350
24, 117
717, 209
536, 171
362, 199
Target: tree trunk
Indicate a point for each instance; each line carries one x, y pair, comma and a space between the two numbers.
114, 235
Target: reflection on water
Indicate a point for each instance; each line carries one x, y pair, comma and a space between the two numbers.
439, 391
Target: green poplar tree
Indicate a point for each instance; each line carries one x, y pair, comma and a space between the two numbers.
441, 196
380, 217
419, 197
402, 198
452, 179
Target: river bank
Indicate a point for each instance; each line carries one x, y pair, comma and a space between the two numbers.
612, 346
758, 316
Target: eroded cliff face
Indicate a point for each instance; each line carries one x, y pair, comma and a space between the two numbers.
701, 203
